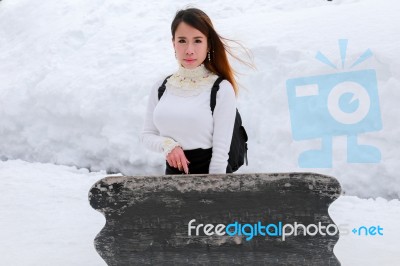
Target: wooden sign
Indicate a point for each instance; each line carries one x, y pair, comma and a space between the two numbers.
233, 219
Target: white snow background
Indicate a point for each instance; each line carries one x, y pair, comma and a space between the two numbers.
74, 81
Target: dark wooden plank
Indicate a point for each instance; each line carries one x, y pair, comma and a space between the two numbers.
147, 218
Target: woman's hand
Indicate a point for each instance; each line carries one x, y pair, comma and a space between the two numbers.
176, 158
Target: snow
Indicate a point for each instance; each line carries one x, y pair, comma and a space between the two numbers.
47, 220
46, 217
74, 81
353, 212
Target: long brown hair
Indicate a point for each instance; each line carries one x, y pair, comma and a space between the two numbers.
219, 63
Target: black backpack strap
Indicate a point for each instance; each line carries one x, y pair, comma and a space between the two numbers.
161, 89
214, 90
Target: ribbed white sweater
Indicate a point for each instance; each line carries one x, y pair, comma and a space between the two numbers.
183, 116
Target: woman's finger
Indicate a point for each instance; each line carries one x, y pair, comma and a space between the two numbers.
169, 161
177, 159
179, 164
171, 158
185, 168
184, 163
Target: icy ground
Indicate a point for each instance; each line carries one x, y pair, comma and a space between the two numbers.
46, 219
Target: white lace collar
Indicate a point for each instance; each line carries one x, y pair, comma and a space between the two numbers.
191, 82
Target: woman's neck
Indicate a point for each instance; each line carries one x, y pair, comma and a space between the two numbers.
199, 72
190, 82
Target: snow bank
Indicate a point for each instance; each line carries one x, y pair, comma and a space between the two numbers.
74, 80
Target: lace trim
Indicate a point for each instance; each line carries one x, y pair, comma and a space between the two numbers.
196, 73
191, 82
168, 145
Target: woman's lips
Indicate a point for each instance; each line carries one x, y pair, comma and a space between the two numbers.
189, 60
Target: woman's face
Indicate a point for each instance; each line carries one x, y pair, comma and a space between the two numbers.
190, 46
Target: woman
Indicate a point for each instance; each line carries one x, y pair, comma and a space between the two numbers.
180, 123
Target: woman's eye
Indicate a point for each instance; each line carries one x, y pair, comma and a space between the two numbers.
198, 41
181, 41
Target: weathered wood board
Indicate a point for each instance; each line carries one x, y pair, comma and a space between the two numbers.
147, 219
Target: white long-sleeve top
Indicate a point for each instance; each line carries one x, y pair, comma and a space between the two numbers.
183, 117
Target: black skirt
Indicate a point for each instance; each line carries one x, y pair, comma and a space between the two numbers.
199, 162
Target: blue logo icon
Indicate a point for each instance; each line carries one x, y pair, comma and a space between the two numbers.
338, 104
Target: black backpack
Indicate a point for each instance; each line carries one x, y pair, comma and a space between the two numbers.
238, 149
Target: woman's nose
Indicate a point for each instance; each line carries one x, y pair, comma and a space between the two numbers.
189, 49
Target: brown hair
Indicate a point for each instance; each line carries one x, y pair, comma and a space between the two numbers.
219, 63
